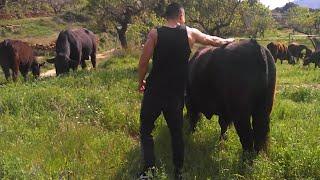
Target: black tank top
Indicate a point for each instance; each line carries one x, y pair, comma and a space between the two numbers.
168, 76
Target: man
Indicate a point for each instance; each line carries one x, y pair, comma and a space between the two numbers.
170, 46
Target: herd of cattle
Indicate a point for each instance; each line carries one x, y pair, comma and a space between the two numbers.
293, 53
236, 81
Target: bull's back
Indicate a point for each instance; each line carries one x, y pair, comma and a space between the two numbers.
21, 52
87, 40
231, 76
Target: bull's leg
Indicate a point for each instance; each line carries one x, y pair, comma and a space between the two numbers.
224, 127
24, 71
83, 63
192, 115
93, 60
77, 59
15, 72
281, 61
244, 131
6, 72
194, 118
260, 123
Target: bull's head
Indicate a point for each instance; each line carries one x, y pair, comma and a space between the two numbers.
62, 63
308, 53
291, 60
313, 58
35, 68
306, 61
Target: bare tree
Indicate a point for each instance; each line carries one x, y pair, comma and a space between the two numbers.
3, 4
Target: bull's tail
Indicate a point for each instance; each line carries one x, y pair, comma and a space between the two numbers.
271, 81
263, 108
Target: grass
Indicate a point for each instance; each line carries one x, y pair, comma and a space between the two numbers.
42, 30
85, 126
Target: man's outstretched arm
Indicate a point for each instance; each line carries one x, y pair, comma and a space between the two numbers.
205, 39
146, 55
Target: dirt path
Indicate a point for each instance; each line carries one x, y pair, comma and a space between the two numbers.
100, 58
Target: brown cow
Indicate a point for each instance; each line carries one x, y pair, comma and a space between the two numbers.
296, 51
280, 51
18, 56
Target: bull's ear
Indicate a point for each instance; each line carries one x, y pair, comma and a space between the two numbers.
42, 64
51, 61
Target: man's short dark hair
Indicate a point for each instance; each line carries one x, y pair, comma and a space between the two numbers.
173, 10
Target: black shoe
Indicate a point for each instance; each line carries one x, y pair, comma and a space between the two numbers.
178, 174
147, 174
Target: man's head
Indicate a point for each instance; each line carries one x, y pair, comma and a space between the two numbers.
176, 12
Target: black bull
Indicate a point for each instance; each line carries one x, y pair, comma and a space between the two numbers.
235, 82
73, 47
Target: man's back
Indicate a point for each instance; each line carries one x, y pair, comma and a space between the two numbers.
170, 59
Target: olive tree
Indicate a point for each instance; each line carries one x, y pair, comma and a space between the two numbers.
116, 14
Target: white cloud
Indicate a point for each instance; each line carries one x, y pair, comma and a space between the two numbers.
275, 3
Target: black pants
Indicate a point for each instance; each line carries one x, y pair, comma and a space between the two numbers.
172, 109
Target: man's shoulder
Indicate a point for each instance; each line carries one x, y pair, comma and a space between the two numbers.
153, 33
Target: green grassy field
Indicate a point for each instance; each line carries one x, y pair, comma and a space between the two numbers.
32, 30
86, 126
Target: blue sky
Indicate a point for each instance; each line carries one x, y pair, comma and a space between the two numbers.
275, 3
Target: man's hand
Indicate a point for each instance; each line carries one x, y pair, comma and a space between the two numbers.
229, 40
142, 86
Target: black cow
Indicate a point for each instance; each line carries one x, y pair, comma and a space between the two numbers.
313, 58
235, 82
73, 47
296, 51
18, 56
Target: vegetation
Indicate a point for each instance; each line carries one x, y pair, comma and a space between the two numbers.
85, 125
304, 20
30, 28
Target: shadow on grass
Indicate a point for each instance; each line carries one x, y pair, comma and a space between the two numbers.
205, 158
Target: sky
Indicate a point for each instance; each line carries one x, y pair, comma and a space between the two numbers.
275, 3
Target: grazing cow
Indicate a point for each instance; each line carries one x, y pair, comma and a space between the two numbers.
235, 82
296, 51
313, 58
18, 56
73, 47
280, 51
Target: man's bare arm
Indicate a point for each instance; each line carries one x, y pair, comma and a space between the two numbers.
204, 39
146, 56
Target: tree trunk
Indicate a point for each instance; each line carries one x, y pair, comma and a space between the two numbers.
3, 4
123, 36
